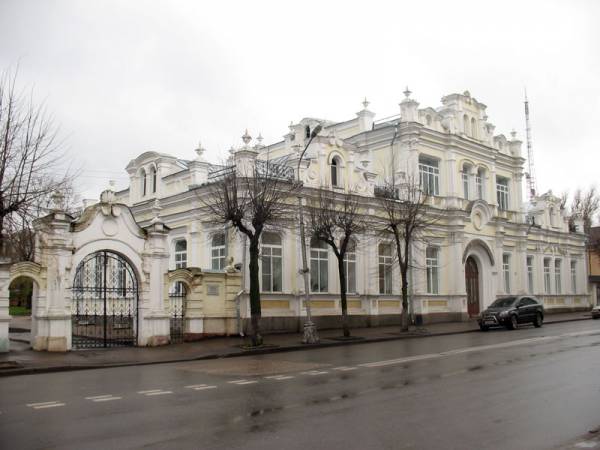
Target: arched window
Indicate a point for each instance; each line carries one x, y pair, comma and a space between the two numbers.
143, 181
335, 171
271, 259
552, 215
218, 251
473, 128
350, 267
479, 183
319, 261
428, 119
153, 176
385, 268
466, 125
181, 254
465, 180
307, 132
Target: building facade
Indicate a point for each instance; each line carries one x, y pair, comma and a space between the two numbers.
490, 242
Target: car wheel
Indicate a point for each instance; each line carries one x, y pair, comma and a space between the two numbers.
512, 324
539, 320
484, 328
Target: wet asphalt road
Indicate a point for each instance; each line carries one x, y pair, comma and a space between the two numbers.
526, 389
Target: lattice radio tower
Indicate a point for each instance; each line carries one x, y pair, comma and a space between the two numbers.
531, 184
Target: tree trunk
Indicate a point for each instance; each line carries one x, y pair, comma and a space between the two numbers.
343, 301
255, 311
405, 323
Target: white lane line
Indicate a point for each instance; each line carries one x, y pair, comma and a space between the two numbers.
279, 377
45, 405
149, 391
344, 368
479, 348
95, 397
149, 394
315, 372
242, 382
200, 387
107, 399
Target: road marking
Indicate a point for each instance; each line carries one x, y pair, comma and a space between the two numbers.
315, 372
98, 397
107, 399
150, 391
45, 405
451, 374
242, 382
201, 387
149, 394
279, 377
344, 368
479, 348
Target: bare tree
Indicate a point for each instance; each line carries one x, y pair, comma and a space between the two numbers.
31, 159
248, 202
585, 205
334, 219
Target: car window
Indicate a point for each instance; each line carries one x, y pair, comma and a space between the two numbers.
529, 301
503, 302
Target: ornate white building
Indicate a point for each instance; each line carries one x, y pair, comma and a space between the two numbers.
490, 242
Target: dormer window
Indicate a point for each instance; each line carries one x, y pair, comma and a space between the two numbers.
428, 120
143, 181
473, 128
335, 171
466, 125
153, 176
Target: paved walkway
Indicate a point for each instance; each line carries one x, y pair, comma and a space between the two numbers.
22, 360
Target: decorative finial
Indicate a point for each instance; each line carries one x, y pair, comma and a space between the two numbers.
513, 134
111, 185
407, 92
291, 126
259, 139
246, 137
58, 201
365, 103
199, 150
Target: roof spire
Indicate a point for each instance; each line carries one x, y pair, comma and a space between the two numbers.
407, 92
246, 137
365, 103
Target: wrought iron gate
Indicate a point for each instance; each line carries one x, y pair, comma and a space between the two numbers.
177, 295
105, 302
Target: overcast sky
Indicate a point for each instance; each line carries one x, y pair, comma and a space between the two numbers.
125, 77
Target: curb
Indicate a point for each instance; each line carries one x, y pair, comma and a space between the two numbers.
235, 354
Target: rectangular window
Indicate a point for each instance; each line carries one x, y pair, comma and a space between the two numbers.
506, 272
319, 274
479, 185
465, 180
385, 269
350, 268
181, 254
530, 274
218, 252
432, 263
557, 280
502, 193
547, 276
271, 268
574, 277
429, 174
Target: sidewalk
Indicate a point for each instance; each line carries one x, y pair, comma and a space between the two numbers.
22, 360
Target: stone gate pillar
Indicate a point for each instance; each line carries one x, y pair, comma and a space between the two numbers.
4, 316
154, 316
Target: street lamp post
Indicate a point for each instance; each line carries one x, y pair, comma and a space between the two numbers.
310, 330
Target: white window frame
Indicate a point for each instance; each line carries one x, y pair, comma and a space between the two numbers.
180, 255
429, 175
503, 193
271, 258
479, 184
350, 267
432, 262
218, 253
465, 182
506, 272
530, 278
574, 276
547, 278
557, 276
319, 267
385, 269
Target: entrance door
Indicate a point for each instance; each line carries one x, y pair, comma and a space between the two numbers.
105, 302
472, 282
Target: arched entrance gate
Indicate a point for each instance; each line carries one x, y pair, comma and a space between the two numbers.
105, 302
